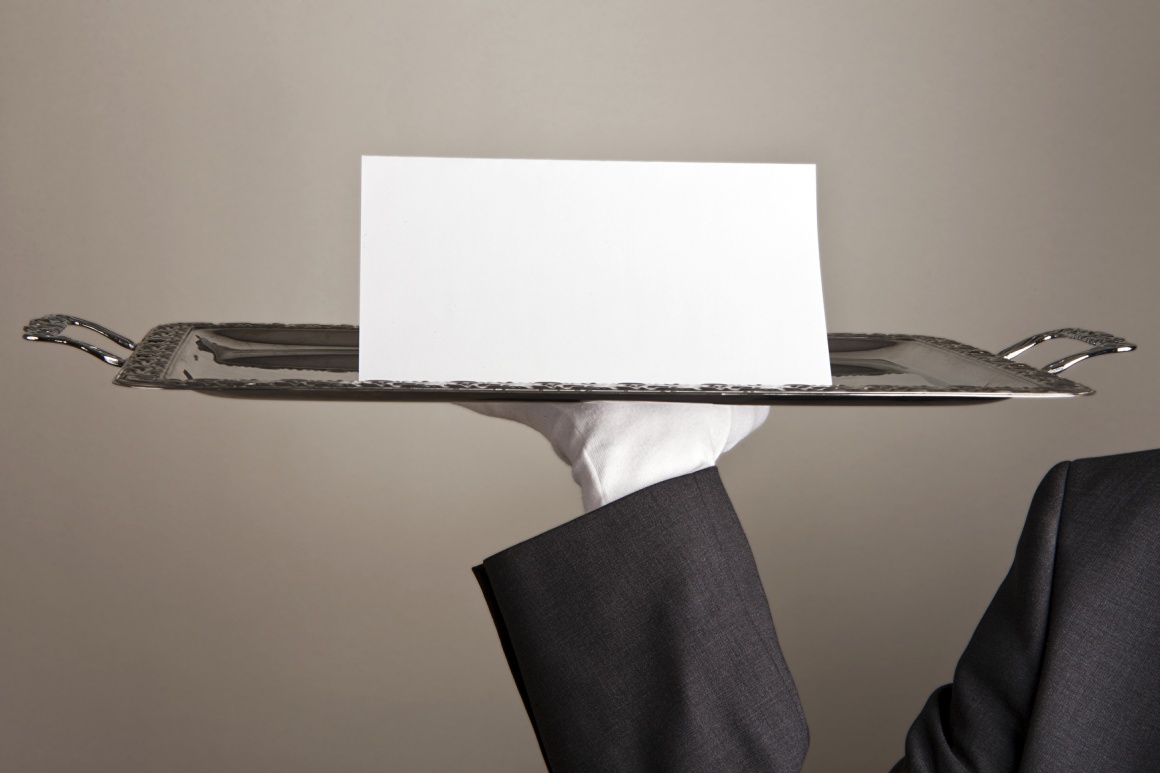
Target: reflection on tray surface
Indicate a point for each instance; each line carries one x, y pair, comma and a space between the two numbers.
840, 345
263, 354
343, 337
288, 354
847, 368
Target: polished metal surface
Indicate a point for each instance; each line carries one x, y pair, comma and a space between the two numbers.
321, 362
1101, 343
49, 328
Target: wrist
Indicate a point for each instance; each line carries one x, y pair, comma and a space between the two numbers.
613, 464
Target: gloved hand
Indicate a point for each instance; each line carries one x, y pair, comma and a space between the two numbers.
617, 447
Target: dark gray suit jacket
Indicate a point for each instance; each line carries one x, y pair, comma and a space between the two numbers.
640, 638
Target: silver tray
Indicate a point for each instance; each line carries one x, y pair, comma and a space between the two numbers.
321, 362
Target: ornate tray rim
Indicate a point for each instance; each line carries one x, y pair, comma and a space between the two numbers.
147, 365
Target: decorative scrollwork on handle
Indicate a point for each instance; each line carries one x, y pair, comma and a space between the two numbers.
51, 327
1101, 343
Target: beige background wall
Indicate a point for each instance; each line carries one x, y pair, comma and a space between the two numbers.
194, 584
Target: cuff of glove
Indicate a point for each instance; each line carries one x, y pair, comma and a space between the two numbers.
622, 459
618, 471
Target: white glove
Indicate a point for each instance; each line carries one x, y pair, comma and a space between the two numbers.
617, 447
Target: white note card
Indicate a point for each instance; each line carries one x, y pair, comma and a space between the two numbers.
590, 272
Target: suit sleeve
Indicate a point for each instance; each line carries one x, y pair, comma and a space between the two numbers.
641, 640
1063, 672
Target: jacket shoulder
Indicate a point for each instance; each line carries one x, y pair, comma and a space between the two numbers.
1115, 500
1137, 471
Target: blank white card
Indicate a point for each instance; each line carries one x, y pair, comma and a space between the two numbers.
590, 272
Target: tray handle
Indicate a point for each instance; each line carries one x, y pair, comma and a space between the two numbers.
1101, 343
50, 328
